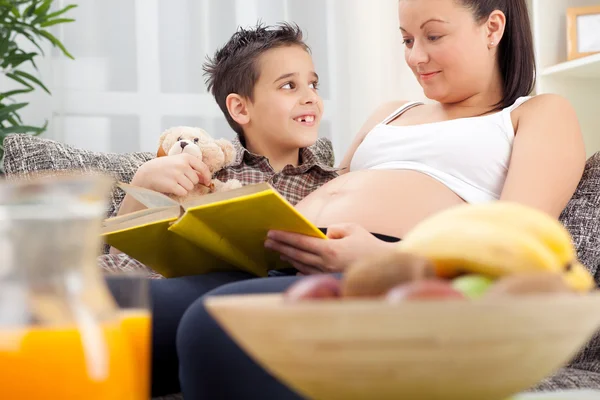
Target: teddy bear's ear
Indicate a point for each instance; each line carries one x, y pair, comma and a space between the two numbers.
161, 151
228, 151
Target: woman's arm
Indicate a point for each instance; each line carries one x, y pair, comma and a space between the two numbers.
548, 155
375, 118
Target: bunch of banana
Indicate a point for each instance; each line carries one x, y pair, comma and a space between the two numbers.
497, 239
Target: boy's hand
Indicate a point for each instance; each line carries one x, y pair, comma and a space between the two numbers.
176, 174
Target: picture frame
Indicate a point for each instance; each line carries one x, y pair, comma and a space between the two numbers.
583, 31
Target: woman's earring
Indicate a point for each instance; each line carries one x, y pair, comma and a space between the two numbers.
492, 44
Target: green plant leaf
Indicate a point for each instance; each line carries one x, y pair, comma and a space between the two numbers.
32, 79
15, 11
6, 111
15, 60
60, 12
41, 129
21, 81
56, 43
56, 22
23, 129
29, 37
43, 9
29, 10
14, 92
13, 121
5, 43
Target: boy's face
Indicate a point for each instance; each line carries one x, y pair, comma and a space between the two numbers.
286, 109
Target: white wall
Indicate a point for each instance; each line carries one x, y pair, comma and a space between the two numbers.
370, 64
137, 68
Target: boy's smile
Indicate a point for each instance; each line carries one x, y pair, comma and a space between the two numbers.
306, 119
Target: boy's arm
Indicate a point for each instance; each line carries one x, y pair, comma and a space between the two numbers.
170, 175
375, 118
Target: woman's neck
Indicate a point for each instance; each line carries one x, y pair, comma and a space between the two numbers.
484, 101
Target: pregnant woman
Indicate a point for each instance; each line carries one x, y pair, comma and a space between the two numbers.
481, 139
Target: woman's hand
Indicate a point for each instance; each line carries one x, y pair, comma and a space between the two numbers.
176, 174
309, 255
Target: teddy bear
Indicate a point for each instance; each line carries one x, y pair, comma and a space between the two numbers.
216, 154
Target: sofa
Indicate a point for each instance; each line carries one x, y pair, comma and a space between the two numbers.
26, 154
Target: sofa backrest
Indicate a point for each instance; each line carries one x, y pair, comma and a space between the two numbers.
581, 216
25, 155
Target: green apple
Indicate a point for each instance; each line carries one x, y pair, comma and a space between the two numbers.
472, 286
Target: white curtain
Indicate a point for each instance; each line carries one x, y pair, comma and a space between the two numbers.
138, 66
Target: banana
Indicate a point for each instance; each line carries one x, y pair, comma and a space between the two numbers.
549, 230
497, 239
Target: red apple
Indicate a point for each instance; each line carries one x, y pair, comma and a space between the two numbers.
314, 287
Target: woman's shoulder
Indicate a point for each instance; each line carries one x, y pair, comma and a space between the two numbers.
548, 105
547, 110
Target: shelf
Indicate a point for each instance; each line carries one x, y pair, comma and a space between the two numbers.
585, 67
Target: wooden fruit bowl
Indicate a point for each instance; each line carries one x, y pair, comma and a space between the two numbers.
369, 349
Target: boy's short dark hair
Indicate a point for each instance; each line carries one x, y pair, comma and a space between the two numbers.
234, 68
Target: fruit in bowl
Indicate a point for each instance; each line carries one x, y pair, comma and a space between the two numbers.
464, 253
476, 302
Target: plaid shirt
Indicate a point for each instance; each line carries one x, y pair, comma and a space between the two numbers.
293, 183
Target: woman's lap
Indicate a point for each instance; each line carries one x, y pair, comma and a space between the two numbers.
212, 365
170, 299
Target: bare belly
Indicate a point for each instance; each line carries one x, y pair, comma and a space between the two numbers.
386, 202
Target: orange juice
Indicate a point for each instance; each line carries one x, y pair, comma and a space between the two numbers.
137, 325
63, 363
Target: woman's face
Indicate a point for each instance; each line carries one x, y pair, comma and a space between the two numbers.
447, 50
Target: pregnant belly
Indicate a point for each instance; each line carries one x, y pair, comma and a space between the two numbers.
386, 202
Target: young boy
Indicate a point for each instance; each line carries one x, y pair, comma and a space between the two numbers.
264, 81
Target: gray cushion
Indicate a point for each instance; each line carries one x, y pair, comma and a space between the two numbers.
25, 154
581, 216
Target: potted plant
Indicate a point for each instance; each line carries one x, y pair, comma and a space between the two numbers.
23, 21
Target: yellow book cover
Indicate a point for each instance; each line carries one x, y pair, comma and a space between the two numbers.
219, 231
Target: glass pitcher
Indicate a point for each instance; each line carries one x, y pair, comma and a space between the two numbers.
60, 335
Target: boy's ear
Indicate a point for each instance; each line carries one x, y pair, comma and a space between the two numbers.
237, 106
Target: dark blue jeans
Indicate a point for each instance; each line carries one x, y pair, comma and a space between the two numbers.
170, 299
190, 351
212, 366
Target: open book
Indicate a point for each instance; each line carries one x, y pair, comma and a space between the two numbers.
219, 231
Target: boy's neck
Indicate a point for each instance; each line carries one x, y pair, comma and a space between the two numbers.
278, 158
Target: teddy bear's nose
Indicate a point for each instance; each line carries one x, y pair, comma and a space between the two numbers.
183, 144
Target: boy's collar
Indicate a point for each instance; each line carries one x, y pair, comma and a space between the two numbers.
307, 156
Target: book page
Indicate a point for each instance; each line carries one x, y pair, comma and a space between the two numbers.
147, 197
227, 195
135, 215
140, 218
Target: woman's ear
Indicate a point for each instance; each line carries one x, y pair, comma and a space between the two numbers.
237, 106
495, 28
